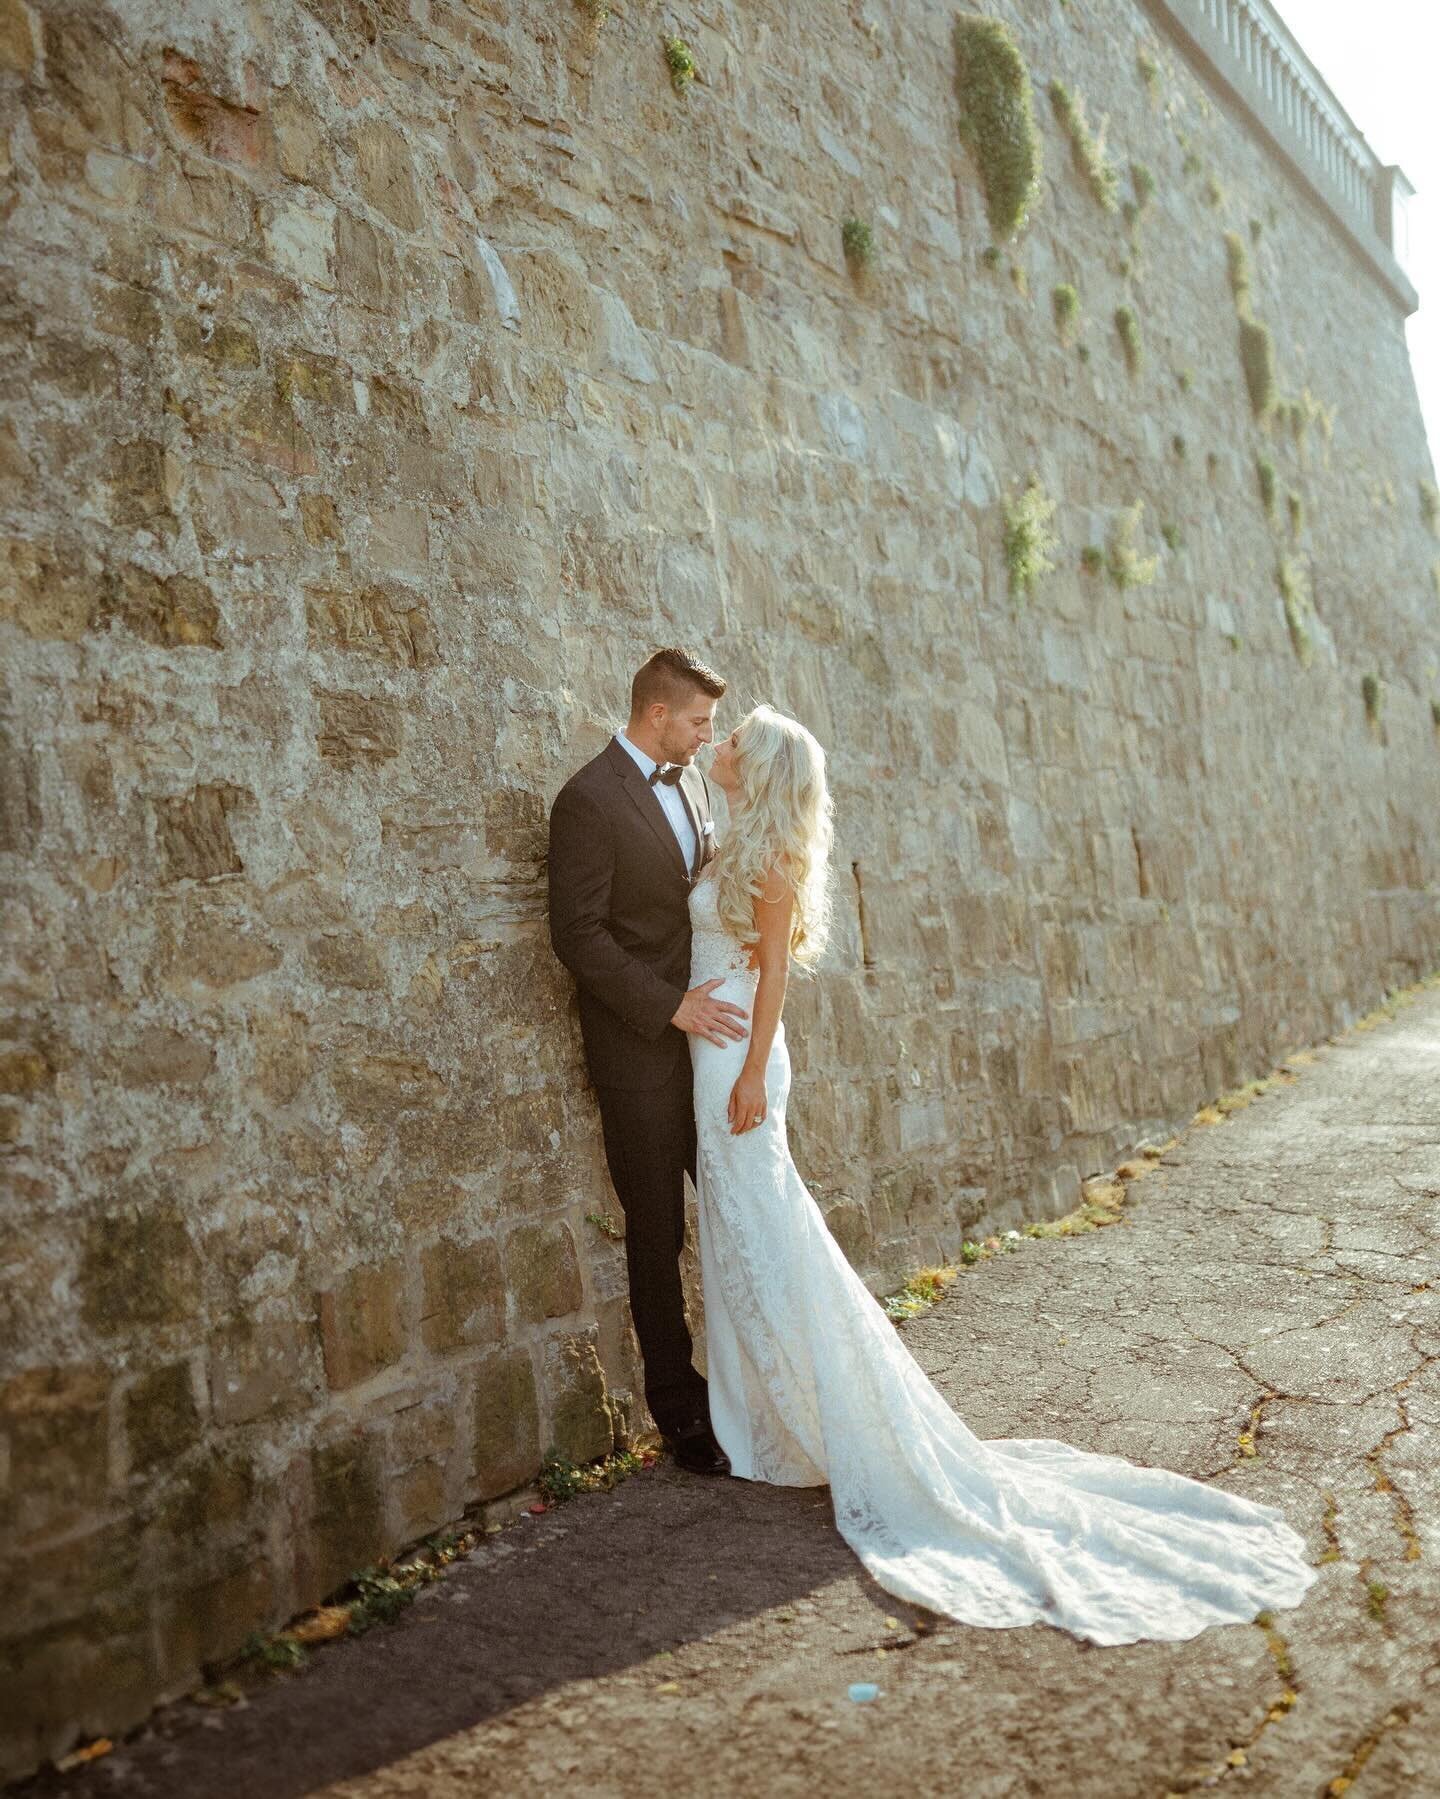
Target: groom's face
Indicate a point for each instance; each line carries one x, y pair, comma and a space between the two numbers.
687, 727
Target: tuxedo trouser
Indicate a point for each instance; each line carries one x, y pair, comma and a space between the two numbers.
650, 1148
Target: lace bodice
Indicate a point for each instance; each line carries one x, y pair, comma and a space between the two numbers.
713, 951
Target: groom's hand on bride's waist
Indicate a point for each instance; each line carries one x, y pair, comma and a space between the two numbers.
716, 1020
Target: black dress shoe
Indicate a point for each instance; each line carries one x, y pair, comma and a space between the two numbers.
696, 1451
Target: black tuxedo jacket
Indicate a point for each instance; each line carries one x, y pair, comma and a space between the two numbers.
620, 914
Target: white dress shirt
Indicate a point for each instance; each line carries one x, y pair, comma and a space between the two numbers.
671, 804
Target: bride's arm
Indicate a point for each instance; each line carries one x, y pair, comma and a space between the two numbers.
773, 912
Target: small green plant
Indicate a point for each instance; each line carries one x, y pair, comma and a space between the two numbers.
1233, 639
599, 10
997, 119
1172, 535
990, 256
1149, 71
1214, 191
1186, 380
1295, 507
1265, 473
1294, 588
1083, 352
1237, 267
1065, 304
1429, 506
1092, 559
1087, 147
1127, 567
1190, 163
380, 1599
1029, 539
1256, 228
1019, 280
1376, 1593
1370, 687
1142, 180
1435, 714
561, 1479
920, 1292
1257, 358
1128, 327
604, 1222
1178, 445
858, 242
681, 63
276, 1655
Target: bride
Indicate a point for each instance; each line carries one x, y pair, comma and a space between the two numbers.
809, 1381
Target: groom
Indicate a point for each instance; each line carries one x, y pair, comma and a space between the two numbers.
629, 835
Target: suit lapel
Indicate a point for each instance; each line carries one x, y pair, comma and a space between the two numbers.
697, 796
649, 808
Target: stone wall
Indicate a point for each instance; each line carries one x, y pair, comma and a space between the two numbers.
387, 377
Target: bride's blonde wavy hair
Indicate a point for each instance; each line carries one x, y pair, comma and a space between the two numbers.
783, 821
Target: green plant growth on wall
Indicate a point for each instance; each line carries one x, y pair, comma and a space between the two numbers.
1430, 506
1149, 72
1142, 184
1178, 446
1294, 588
1126, 566
1257, 358
598, 10
1065, 304
1092, 559
681, 63
1435, 714
1265, 470
1214, 191
997, 119
1087, 147
1370, 689
1029, 539
1237, 267
858, 242
1174, 539
1128, 327
1295, 507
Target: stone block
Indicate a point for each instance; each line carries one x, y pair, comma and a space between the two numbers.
348, 960
356, 730
138, 1267
194, 831
222, 947
17, 37
262, 1369
377, 1088
170, 610
300, 240
361, 1322
390, 624
543, 1271
319, 519
160, 1057
422, 1500
385, 170
24, 1072
347, 1513
218, 1495
506, 1418
54, 1422
237, 515
47, 589
206, 1621
582, 1426
143, 480
464, 1294
162, 1420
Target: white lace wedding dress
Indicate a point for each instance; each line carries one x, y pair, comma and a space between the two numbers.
810, 1383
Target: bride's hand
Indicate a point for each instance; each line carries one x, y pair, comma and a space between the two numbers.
747, 1103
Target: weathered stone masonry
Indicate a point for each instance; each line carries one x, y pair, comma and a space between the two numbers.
385, 379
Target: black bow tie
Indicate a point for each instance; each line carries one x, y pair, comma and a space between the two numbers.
669, 774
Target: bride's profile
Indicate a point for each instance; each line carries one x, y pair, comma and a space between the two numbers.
810, 1383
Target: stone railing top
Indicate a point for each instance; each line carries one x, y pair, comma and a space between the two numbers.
1250, 49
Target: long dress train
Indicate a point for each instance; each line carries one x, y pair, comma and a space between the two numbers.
810, 1383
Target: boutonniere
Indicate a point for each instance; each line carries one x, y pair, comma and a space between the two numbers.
708, 828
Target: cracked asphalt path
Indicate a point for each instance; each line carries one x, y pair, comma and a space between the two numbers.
1266, 1316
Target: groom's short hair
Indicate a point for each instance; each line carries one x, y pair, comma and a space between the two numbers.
669, 678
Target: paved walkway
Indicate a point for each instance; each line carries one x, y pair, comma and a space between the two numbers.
1267, 1315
